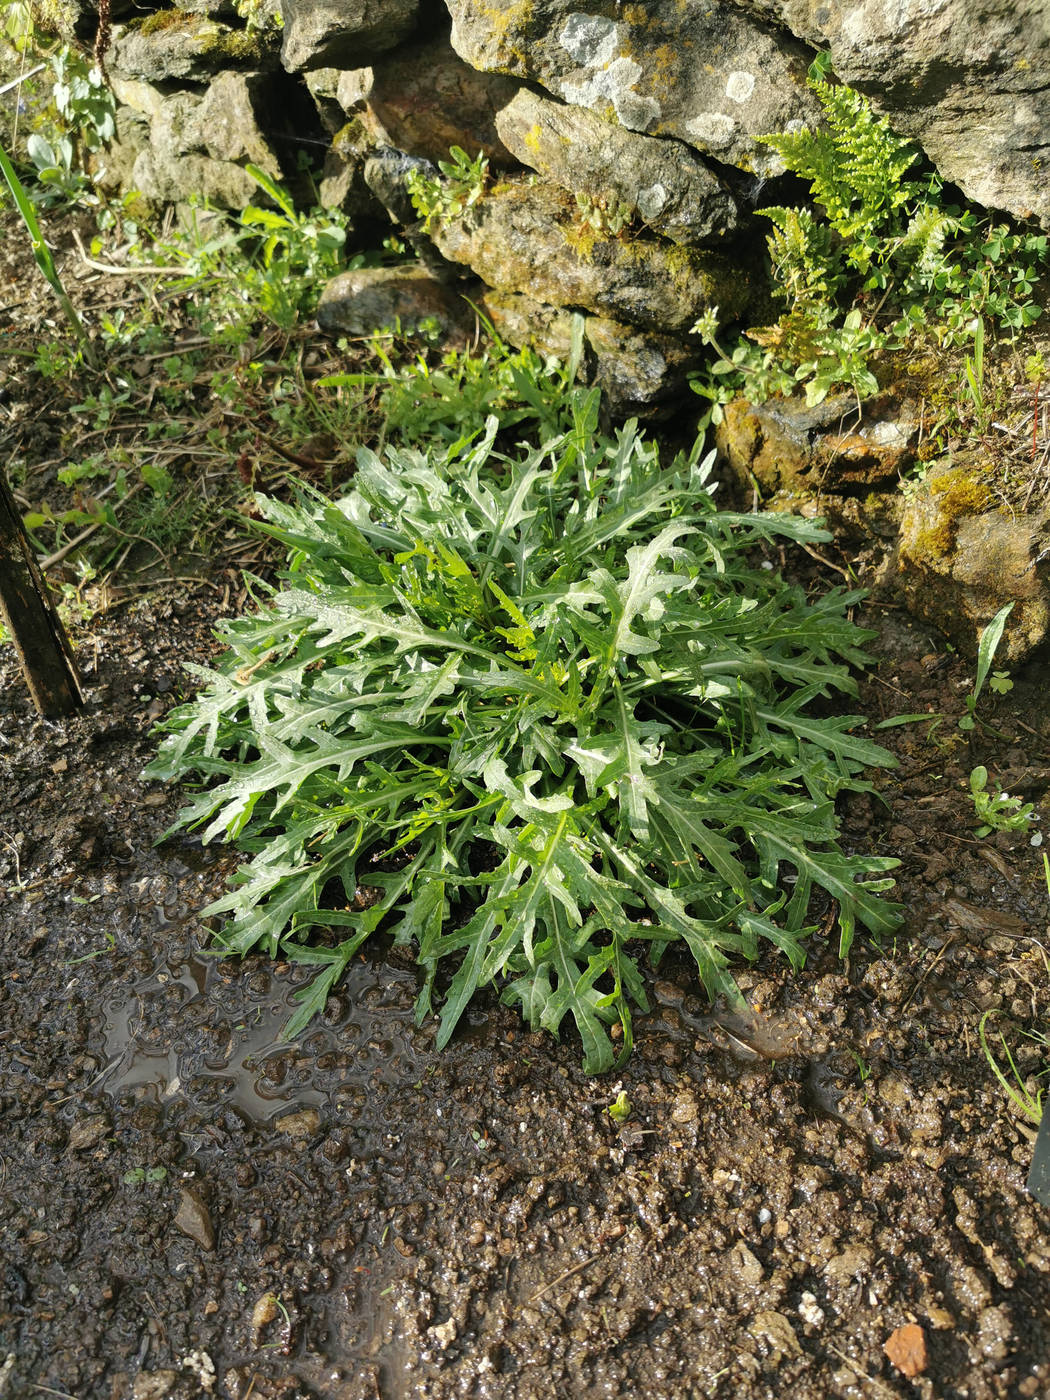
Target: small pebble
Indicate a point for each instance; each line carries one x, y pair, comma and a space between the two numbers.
265, 1311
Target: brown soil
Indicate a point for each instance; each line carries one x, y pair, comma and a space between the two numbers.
190, 1206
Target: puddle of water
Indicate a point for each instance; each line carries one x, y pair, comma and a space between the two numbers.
189, 1026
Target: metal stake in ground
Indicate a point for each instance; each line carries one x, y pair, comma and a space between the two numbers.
29, 614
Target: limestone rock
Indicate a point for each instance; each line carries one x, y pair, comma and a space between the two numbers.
217, 9
961, 557
228, 121
783, 445
707, 74
672, 191
111, 167
522, 320
369, 299
343, 33
343, 183
178, 45
640, 373
523, 238
199, 144
970, 82
425, 99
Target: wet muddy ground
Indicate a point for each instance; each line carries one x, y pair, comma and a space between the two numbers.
190, 1206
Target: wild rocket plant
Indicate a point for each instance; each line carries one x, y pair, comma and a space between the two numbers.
535, 716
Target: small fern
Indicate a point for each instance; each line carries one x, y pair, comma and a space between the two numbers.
881, 260
805, 262
856, 168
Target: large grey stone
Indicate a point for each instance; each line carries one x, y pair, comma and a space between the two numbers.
425, 99
524, 238
343, 33
199, 144
970, 82
961, 557
667, 186
708, 74
639, 372
179, 45
369, 299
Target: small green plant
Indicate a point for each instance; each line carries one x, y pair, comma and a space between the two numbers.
606, 216
999, 683
880, 262
83, 99
974, 371
259, 15
620, 1108
54, 162
1028, 1101
986, 649
145, 1176
42, 256
457, 188
545, 706
299, 251
997, 811
419, 400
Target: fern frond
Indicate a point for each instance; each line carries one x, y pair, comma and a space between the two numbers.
807, 268
923, 241
872, 158
856, 168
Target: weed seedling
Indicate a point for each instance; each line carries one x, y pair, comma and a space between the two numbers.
620, 1108
997, 811
461, 183
145, 1176
990, 639
1027, 1101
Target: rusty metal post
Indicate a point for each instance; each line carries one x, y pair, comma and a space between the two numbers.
29, 615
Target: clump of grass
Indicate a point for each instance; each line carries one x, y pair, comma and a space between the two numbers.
1027, 1100
541, 706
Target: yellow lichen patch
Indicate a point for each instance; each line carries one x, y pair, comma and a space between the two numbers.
664, 61
507, 24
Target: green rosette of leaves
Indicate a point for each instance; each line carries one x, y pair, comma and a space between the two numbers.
545, 709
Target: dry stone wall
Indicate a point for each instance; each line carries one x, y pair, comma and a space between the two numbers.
624, 160
648, 113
